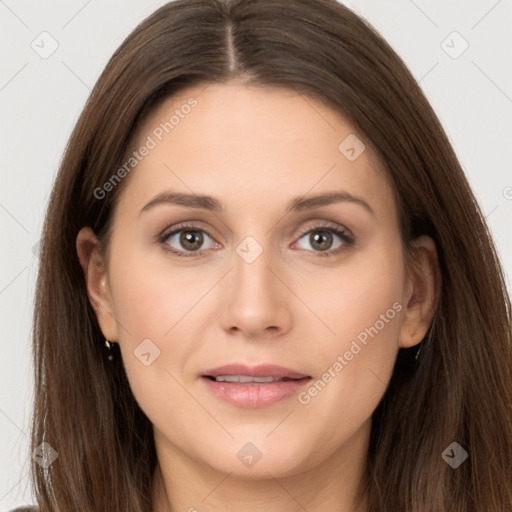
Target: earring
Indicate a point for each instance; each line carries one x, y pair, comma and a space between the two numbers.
418, 353
420, 344
427, 339
109, 348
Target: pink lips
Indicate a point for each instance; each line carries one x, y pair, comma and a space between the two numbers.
253, 394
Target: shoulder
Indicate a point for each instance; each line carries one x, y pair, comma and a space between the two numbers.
25, 509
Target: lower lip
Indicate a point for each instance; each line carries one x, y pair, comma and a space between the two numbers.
253, 395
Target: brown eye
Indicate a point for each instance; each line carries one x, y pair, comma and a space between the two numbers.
321, 240
189, 240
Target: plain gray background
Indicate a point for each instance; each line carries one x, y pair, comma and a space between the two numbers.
41, 98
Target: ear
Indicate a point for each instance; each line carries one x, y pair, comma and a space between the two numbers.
96, 280
423, 289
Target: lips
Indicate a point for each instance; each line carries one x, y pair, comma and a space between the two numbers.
266, 370
253, 387
246, 378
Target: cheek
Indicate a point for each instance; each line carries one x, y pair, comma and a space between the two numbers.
150, 307
354, 363
149, 295
365, 294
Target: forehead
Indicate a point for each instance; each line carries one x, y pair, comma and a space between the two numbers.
244, 144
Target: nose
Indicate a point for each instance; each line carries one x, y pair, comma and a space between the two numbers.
256, 301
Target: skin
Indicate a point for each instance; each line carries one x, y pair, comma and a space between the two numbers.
254, 149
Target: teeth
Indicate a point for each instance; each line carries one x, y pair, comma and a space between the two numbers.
245, 378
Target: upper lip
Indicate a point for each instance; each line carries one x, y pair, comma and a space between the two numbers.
262, 370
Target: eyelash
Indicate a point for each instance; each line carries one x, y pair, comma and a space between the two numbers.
343, 234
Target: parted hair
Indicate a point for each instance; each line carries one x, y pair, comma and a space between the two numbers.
459, 389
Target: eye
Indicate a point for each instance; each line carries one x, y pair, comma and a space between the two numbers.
186, 239
321, 239
190, 240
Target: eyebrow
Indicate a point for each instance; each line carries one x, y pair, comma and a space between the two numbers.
214, 205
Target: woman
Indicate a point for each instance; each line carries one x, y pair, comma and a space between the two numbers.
265, 283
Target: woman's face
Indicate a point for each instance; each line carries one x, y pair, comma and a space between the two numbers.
274, 269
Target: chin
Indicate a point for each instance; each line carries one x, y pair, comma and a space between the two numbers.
260, 459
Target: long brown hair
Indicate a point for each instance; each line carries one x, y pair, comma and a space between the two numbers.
460, 387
